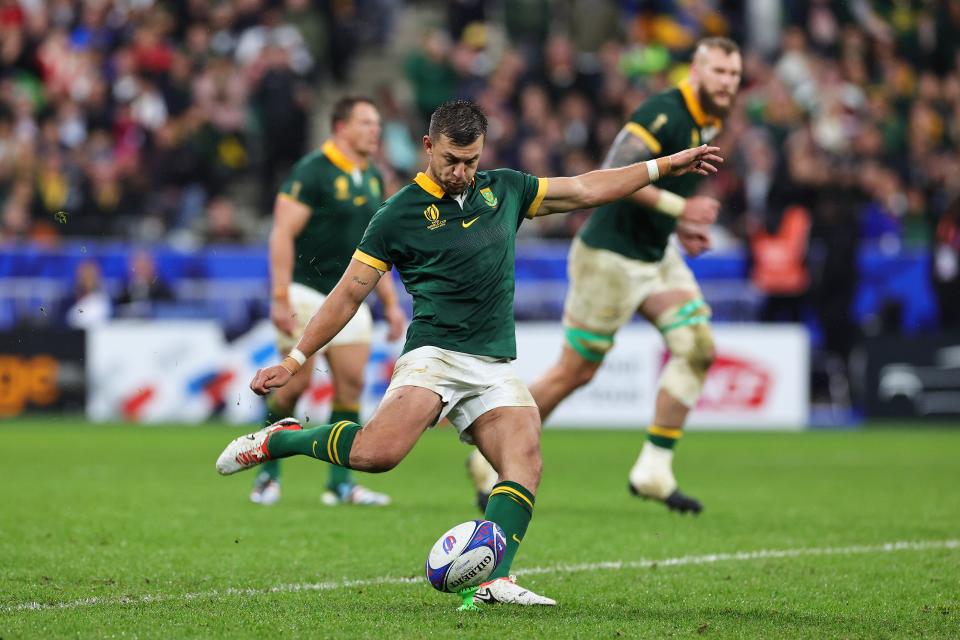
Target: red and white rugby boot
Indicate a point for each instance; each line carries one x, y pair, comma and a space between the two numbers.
250, 450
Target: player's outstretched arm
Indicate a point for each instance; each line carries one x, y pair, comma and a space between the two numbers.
355, 285
608, 185
630, 147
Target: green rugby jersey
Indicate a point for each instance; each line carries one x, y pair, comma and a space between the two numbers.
342, 198
457, 263
667, 123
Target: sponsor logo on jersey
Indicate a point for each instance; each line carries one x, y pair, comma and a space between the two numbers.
466, 224
432, 214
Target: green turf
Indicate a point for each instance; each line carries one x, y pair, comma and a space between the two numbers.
120, 513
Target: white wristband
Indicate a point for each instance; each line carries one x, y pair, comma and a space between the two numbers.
297, 355
653, 170
670, 203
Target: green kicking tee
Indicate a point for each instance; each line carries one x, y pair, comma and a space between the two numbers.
342, 198
666, 123
456, 261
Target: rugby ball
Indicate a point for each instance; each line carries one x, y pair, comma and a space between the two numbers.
465, 555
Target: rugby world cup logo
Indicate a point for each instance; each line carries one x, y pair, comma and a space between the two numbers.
448, 543
432, 214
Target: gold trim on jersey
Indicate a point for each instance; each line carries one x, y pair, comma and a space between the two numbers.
538, 200
338, 159
694, 107
289, 196
427, 184
370, 261
648, 139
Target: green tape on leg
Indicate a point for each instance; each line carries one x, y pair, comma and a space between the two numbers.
693, 312
580, 339
690, 307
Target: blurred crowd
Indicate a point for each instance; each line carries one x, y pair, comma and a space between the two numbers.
144, 119
141, 119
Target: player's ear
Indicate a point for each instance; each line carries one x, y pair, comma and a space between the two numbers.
427, 145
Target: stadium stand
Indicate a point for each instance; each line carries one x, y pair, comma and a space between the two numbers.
169, 124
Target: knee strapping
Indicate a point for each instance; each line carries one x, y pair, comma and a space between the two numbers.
686, 331
591, 346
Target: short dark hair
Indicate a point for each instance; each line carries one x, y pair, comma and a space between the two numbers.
719, 42
343, 108
460, 120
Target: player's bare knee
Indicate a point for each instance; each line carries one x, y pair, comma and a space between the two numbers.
704, 352
374, 460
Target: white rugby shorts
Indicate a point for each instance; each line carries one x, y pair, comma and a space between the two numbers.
468, 385
606, 288
305, 302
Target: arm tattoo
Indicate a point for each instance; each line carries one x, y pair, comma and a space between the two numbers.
360, 282
626, 149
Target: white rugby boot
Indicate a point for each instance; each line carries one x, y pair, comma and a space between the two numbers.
250, 450
265, 492
356, 494
506, 591
652, 477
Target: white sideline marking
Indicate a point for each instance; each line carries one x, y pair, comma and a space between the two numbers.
738, 556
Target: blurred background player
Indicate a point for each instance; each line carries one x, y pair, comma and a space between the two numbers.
622, 262
320, 215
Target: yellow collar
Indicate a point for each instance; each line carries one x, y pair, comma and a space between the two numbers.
427, 184
693, 106
339, 160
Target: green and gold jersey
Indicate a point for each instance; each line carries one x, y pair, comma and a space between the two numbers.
456, 261
342, 198
667, 123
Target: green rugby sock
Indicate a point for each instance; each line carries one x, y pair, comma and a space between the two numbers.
665, 437
340, 476
330, 442
511, 507
270, 470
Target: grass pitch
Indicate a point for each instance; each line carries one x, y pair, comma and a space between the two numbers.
126, 531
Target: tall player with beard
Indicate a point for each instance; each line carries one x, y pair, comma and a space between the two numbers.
622, 262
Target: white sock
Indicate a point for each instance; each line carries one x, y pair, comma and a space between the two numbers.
652, 473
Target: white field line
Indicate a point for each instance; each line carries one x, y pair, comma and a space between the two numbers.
738, 556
